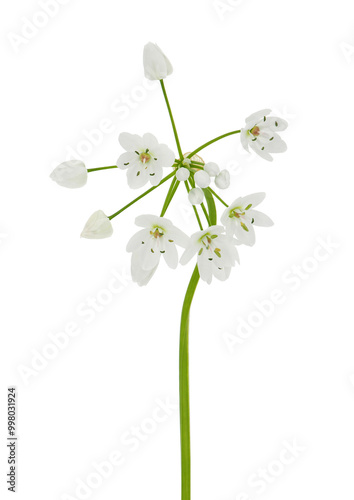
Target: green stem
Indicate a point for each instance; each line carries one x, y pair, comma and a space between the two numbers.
184, 388
172, 120
212, 142
194, 208
218, 197
142, 195
170, 194
100, 168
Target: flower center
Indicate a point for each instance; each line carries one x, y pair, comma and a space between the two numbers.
209, 246
145, 157
255, 131
157, 233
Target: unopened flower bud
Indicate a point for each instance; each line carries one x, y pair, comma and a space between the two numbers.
202, 179
71, 174
156, 64
97, 227
182, 174
212, 169
222, 180
196, 196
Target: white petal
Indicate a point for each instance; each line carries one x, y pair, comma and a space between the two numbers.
256, 117
139, 275
244, 138
155, 174
137, 176
205, 267
260, 219
150, 141
165, 157
221, 274
277, 145
127, 160
130, 142
245, 237
262, 153
277, 124
171, 255
189, 253
137, 240
150, 257
252, 199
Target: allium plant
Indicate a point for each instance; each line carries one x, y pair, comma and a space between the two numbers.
213, 246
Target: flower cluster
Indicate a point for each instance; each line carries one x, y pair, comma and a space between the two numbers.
145, 160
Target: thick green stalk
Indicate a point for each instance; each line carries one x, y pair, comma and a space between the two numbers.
212, 142
184, 406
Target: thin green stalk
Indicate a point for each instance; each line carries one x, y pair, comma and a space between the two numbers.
184, 388
172, 120
100, 168
218, 197
205, 213
194, 208
212, 142
142, 195
170, 194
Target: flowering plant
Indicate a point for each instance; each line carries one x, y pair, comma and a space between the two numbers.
213, 246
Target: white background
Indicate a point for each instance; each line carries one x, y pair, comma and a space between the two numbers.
291, 379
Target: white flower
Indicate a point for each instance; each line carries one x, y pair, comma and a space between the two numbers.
158, 238
260, 134
70, 174
212, 168
202, 179
222, 180
156, 64
240, 217
182, 174
97, 227
144, 159
217, 253
196, 196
